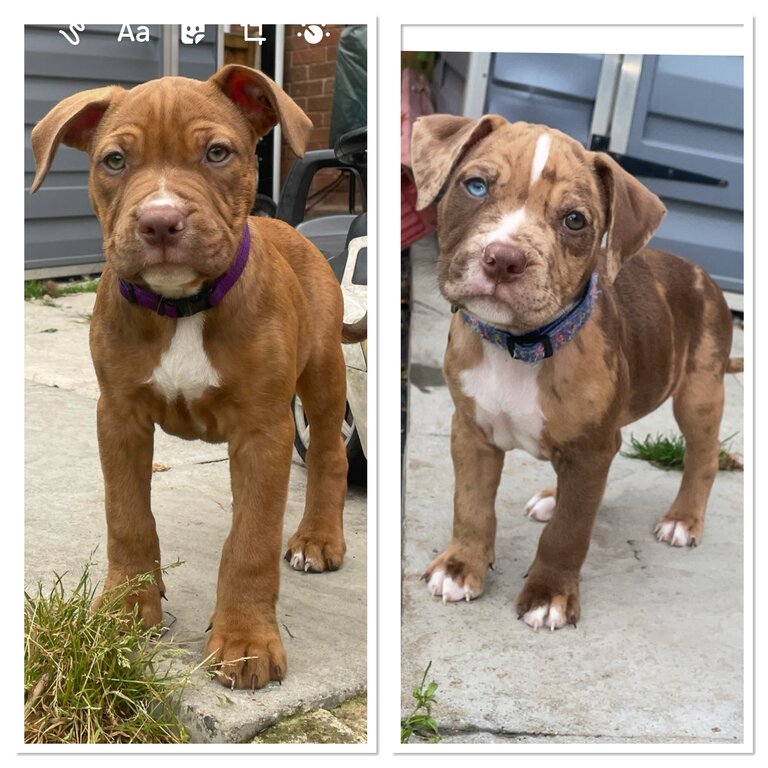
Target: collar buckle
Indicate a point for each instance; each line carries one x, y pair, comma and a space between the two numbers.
530, 339
184, 306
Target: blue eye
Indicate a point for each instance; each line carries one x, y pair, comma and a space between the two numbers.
476, 187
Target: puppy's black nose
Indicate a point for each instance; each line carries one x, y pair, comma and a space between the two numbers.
161, 225
502, 262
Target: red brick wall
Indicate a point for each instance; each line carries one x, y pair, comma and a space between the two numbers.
309, 73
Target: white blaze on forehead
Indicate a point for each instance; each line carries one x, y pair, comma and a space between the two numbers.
506, 227
161, 198
540, 156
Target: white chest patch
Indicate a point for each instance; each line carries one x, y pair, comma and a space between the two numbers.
184, 369
506, 404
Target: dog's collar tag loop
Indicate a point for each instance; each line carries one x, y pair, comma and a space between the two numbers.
208, 296
541, 343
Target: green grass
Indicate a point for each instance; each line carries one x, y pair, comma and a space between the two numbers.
94, 675
667, 452
35, 289
420, 722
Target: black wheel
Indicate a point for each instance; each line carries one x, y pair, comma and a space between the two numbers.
264, 205
358, 465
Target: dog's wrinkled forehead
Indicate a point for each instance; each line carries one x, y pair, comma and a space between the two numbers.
170, 113
522, 158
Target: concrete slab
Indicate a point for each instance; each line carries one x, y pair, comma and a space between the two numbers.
323, 617
658, 654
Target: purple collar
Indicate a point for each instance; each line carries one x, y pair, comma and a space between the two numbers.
208, 296
543, 342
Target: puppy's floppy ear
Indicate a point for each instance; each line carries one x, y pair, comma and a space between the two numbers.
633, 213
73, 122
438, 142
264, 103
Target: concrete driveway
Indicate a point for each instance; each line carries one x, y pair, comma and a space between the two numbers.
323, 617
658, 655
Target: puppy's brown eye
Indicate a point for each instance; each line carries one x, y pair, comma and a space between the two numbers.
217, 153
115, 161
575, 221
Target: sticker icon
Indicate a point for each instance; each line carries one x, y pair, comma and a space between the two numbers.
313, 33
192, 34
74, 29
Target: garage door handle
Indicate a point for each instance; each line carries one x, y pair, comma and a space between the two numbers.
639, 167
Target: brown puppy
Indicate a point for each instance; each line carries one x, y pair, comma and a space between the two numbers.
172, 180
561, 339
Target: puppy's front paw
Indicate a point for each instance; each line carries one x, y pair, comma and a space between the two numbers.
679, 533
246, 658
455, 576
315, 552
551, 614
551, 604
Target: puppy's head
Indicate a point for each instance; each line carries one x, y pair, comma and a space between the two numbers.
522, 212
172, 171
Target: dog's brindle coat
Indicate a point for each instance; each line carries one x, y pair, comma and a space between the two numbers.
660, 328
172, 179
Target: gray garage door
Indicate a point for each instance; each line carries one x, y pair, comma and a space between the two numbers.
674, 121
61, 234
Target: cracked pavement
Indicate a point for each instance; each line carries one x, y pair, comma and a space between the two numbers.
64, 526
658, 654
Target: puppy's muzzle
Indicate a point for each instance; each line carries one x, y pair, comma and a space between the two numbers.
503, 263
161, 226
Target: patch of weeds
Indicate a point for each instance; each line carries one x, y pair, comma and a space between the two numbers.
93, 674
36, 289
667, 452
33, 289
420, 722
87, 286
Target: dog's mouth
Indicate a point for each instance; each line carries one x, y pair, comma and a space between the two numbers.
173, 270
172, 280
517, 305
515, 317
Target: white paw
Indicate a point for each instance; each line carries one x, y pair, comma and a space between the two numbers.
675, 533
442, 585
545, 616
540, 508
300, 563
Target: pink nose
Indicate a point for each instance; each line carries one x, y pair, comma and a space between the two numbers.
161, 225
502, 263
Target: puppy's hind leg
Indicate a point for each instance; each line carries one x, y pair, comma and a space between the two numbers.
698, 408
541, 507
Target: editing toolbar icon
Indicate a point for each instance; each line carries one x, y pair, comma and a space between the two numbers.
313, 33
73, 29
192, 34
247, 36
